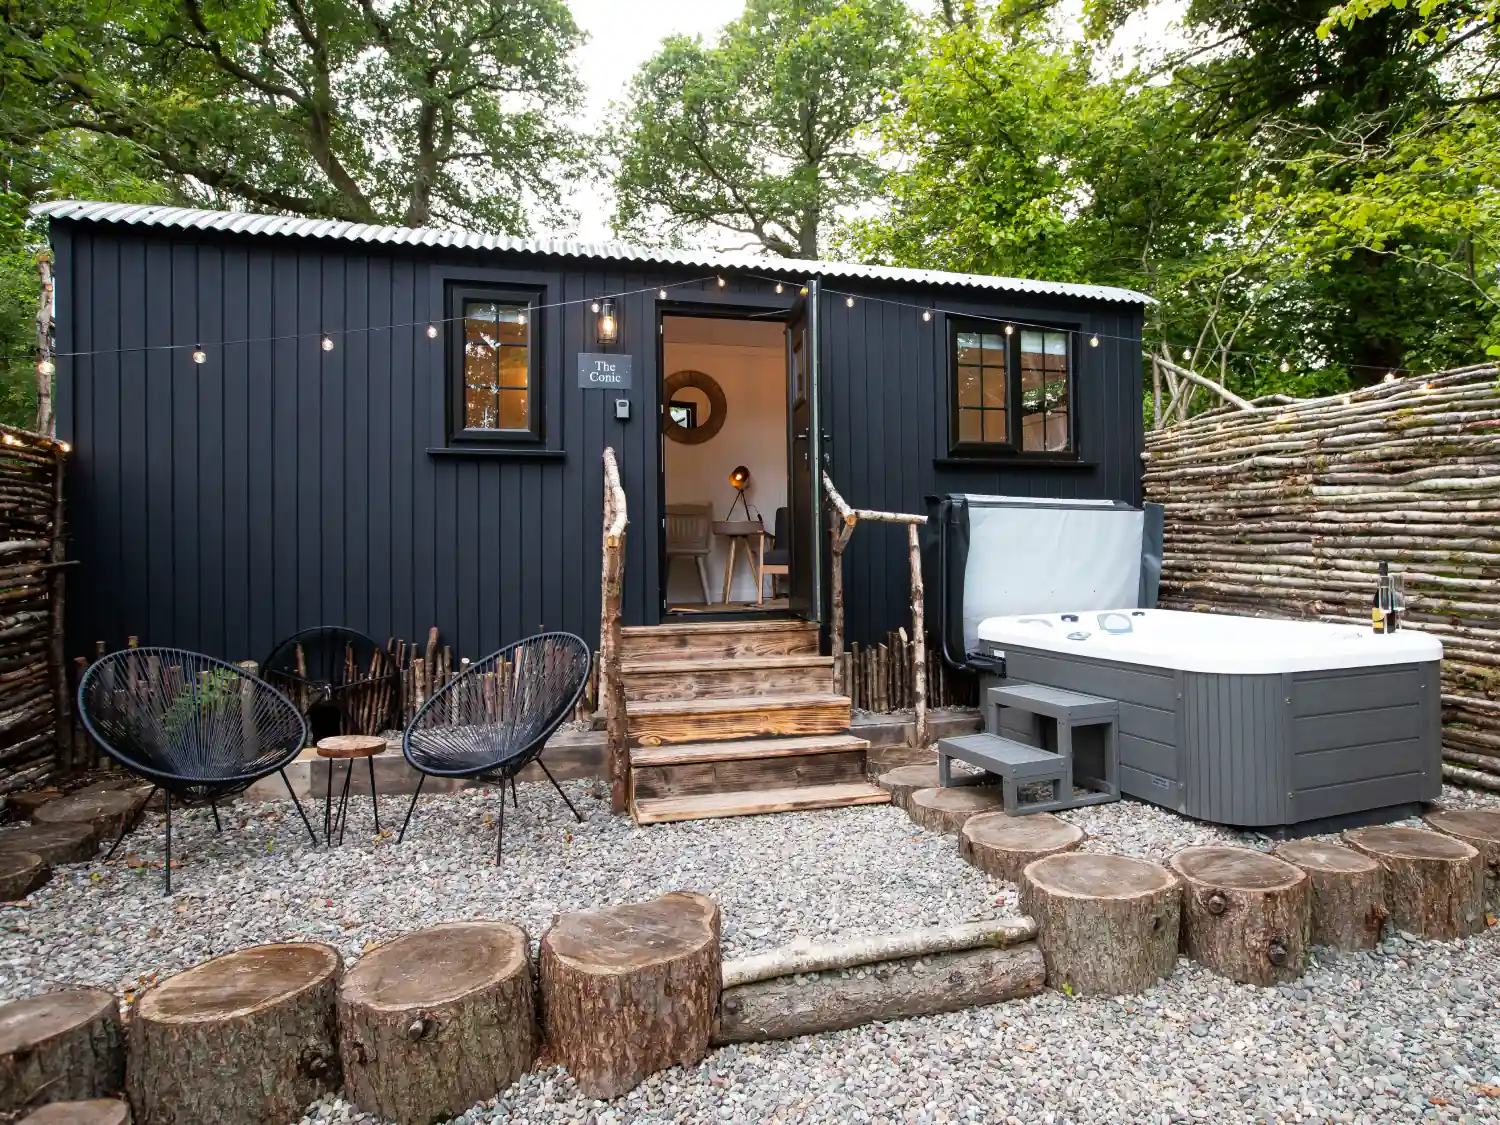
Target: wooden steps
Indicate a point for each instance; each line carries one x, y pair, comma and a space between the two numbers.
737, 718
660, 680
756, 801
758, 716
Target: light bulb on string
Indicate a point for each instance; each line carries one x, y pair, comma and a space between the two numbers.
803, 291
1009, 329
1187, 353
65, 447
1093, 341
45, 367
1285, 366
926, 314
199, 355
779, 287
594, 307
1390, 376
432, 331
722, 283
661, 294
520, 318
849, 301
327, 343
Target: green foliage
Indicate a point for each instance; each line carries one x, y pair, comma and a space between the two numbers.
760, 132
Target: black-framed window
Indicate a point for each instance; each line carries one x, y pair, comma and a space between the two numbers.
1012, 389
495, 391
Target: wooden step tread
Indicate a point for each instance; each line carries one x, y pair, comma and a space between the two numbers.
723, 664
690, 753
752, 703
752, 802
696, 628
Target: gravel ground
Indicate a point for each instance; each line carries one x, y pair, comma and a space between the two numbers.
1410, 1033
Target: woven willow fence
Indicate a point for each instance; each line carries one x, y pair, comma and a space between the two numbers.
1288, 511
33, 681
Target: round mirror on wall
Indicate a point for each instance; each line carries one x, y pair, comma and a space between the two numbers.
695, 407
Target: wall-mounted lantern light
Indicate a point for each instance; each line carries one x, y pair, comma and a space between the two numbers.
608, 327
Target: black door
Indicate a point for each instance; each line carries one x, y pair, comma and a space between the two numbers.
804, 474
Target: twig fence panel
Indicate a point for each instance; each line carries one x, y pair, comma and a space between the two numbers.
881, 677
1289, 510
34, 696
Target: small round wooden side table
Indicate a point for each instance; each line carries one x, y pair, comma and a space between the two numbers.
346, 748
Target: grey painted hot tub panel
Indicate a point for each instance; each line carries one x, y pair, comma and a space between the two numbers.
1259, 750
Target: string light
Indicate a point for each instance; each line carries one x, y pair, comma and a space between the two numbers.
1093, 341
1187, 354
199, 355
520, 318
803, 291
65, 447
849, 301
432, 331
1390, 376
722, 283
1285, 366
1009, 329
594, 306
46, 367
779, 287
1426, 388
661, 294
327, 343
926, 314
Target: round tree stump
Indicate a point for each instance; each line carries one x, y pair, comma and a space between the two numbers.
60, 1046
1106, 924
1245, 915
96, 1111
437, 1020
1434, 884
1348, 893
20, 874
55, 843
903, 781
133, 787
630, 990
1002, 845
946, 810
243, 1039
1480, 829
106, 811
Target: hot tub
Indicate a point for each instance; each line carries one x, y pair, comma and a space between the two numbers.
1244, 721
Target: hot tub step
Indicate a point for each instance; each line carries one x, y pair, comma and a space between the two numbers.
1054, 703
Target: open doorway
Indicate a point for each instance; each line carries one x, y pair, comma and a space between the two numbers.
724, 394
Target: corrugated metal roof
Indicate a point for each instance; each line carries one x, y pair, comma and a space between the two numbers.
244, 222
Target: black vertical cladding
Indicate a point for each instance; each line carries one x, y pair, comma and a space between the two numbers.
279, 486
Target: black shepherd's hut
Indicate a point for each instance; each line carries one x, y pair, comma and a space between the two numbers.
281, 422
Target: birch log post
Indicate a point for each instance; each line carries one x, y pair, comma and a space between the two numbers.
45, 423
611, 685
919, 629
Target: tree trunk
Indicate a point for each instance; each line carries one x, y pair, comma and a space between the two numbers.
630, 990
248, 1038
1480, 829
786, 1007
1002, 845
45, 424
437, 1020
1107, 925
919, 631
55, 843
60, 1046
1434, 884
1348, 893
1245, 915
95, 1111
20, 874
946, 810
903, 781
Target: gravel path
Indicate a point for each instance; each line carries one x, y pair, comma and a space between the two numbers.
1411, 1033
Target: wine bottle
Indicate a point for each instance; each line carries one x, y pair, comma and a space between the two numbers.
1382, 599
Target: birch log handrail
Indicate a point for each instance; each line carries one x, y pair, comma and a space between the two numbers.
611, 690
842, 521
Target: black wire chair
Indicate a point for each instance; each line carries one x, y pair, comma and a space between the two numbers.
197, 728
494, 718
340, 679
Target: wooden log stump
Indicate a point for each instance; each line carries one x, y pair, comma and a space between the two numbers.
55, 843
244, 1039
1434, 884
133, 787
20, 874
21, 805
95, 1111
946, 810
104, 810
1245, 914
437, 1020
884, 759
903, 781
785, 1007
1106, 924
630, 990
1480, 829
60, 1046
1348, 893
1002, 845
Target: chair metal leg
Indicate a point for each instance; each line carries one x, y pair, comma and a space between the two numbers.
328, 805
515, 802
215, 806
374, 801
500, 829
344, 800
576, 814
413, 807
125, 827
293, 794
169, 843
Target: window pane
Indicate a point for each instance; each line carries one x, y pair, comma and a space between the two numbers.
479, 408
994, 426
1044, 392
969, 386
968, 347
994, 348
994, 387
969, 426
513, 410
1057, 430
513, 368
